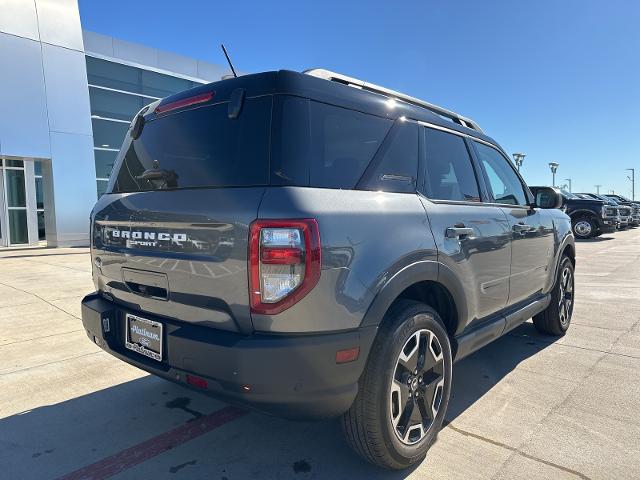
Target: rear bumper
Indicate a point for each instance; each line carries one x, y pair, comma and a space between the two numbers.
291, 376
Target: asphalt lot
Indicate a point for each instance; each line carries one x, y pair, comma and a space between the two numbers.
526, 406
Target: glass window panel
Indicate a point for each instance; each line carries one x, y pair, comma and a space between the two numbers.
116, 105
16, 195
343, 141
132, 79
14, 163
108, 134
322, 145
505, 184
158, 85
201, 147
113, 75
450, 174
39, 193
37, 168
101, 186
395, 166
41, 231
18, 226
104, 162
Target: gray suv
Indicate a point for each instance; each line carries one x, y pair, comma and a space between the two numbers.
311, 245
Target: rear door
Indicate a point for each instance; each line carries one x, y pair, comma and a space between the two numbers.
472, 237
170, 236
532, 245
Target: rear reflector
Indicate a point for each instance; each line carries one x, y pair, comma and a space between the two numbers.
198, 382
185, 102
349, 355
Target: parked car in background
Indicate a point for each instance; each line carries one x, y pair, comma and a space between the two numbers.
634, 206
613, 212
625, 212
589, 217
311, 245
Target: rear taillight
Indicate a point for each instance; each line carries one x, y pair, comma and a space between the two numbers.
284, 263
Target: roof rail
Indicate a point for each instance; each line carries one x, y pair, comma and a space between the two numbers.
354, 82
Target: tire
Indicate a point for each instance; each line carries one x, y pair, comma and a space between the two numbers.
379, 426
556, 318
584, 227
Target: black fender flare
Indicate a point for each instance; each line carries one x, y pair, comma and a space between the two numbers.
424, 270
566, 241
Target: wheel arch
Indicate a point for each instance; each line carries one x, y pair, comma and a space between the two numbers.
568, 248
582, 213
429, 282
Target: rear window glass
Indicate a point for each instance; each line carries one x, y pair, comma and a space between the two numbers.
200, 147
321, 145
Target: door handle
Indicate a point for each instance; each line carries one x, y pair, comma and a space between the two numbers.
459, 232
521, 228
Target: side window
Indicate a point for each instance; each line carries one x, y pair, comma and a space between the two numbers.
505, 184
449, 172
320, 145
395, 167
344, 142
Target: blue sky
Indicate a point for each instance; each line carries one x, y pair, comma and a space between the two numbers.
557, 80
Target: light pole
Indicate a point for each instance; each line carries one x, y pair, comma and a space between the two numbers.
597, 189
633, 182
554, 168
569, 180
518, 158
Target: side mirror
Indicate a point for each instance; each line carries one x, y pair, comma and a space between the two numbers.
547, 197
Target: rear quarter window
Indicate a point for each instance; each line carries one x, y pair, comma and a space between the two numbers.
395, 166
321, 145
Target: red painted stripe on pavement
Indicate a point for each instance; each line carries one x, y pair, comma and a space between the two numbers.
143, 451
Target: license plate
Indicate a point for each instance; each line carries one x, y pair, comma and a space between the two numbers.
144, 336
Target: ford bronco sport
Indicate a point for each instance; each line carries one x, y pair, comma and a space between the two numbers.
311, 245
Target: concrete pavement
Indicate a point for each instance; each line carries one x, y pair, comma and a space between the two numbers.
526, 406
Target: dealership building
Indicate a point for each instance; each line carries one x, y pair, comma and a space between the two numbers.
67, 98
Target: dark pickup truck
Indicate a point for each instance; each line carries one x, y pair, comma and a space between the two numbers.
625, 210
589, 218
634, 206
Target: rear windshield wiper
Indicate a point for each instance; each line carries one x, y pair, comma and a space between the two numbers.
160, 178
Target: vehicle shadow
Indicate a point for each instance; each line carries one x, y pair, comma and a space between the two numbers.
594, 239
52, 441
